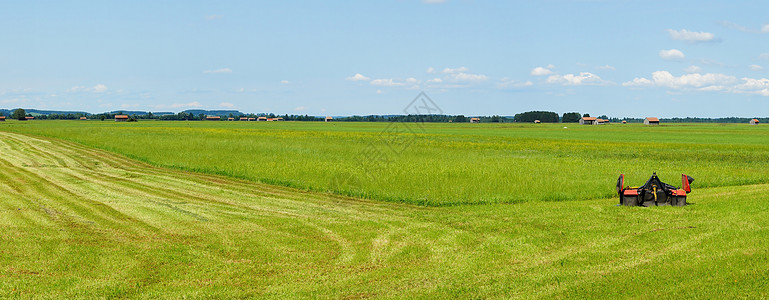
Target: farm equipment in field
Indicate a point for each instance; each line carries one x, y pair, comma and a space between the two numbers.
654, 192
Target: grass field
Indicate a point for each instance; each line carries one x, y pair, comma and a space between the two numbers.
436, 164
78, 222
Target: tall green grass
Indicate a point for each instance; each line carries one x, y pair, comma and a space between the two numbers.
442, 164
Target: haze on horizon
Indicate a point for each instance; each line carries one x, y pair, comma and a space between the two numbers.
619, 58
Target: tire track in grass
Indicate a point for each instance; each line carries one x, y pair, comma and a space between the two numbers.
241, 189
58, 198
158, 186
61, 204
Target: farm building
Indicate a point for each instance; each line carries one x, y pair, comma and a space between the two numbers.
2, 119
83, 118
278, 119
537, 121
29, 118
252, 119
213, 118
261, 119
475, 120
624, 122
230, 119
243, 119
601, 121
121, 118
588, 121
754, 122
651, 121
329, 119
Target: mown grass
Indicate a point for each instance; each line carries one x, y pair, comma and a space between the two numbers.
76, 222
436, 164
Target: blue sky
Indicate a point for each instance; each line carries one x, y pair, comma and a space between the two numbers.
619, 58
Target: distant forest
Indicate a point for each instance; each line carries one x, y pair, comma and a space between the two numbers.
526, 117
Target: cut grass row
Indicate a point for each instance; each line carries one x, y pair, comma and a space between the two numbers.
436, 164
77, 222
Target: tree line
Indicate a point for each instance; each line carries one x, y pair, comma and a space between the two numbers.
525, 117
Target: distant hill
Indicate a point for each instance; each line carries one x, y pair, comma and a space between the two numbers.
140, 113
34, 112
221, 113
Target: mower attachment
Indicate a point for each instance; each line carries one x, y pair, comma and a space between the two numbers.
654, 192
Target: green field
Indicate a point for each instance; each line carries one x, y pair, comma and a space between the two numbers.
192, 209
437, 164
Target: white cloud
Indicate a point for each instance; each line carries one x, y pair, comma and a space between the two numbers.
584, 78
731, 25
764, 28
753, 84
507, 83
693, 69
358, 77
540, 71
606, 67
99, 88
284, 82
433, 1
711, 62
466, 77
703, 82
227, 105
672, 54
379, 92
191, 104
300, 108
691, 36
713, 88
756, 67
456, 70
696, 80
13, 100
194, 104
385, 82
451, 78
222, 70
213, 17
638, 82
